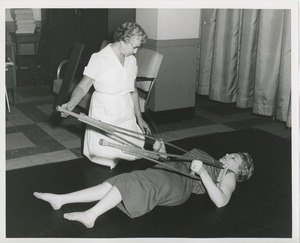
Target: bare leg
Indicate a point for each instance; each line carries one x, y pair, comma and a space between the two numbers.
90, 194
88, 218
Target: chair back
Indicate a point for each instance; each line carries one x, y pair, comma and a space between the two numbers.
66, 86
104, 43
148, 62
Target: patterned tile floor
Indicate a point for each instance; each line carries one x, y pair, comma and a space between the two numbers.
31, 139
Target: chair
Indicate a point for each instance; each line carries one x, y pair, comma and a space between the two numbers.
85, 101
10, 76
8, 63
64, 87
104, 44
148, 62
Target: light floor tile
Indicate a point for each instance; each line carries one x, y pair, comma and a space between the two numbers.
17, 118
276, 128
40, 159
62, 134
17, 141
191, 132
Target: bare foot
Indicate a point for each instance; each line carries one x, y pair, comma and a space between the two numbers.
81, 217
53, 199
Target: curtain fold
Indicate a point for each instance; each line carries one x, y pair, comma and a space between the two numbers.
245, 85
245, 57
225, 56
206, 49
268, 62
284, 90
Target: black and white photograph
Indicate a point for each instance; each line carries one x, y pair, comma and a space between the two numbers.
163, 121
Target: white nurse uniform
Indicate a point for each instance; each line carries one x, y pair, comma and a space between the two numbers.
111, 103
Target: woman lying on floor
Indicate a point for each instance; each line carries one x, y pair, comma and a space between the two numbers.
138, 192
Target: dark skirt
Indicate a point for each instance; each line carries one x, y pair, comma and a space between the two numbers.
142, 190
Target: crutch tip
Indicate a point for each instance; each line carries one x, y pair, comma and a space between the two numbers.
103, 142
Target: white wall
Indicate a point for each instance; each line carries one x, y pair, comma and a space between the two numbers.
178, 24
147, 19
169, 24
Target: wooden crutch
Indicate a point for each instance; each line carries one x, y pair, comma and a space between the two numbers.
145, 155
112, 128
100, 125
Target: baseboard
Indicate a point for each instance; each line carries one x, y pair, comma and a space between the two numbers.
160, 117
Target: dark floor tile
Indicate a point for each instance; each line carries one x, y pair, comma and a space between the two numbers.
77, 151
224, 109
30, 109
248, 122
43, 142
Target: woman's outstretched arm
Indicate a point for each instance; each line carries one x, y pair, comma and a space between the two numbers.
78, 93
221, 194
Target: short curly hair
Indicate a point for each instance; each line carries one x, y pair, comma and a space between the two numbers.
246, 169
129, 29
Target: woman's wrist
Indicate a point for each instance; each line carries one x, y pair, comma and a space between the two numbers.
76, 96
202, 172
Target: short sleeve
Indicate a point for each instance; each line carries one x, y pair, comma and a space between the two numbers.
92, 68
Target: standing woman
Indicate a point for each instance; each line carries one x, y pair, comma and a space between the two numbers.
112, 71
